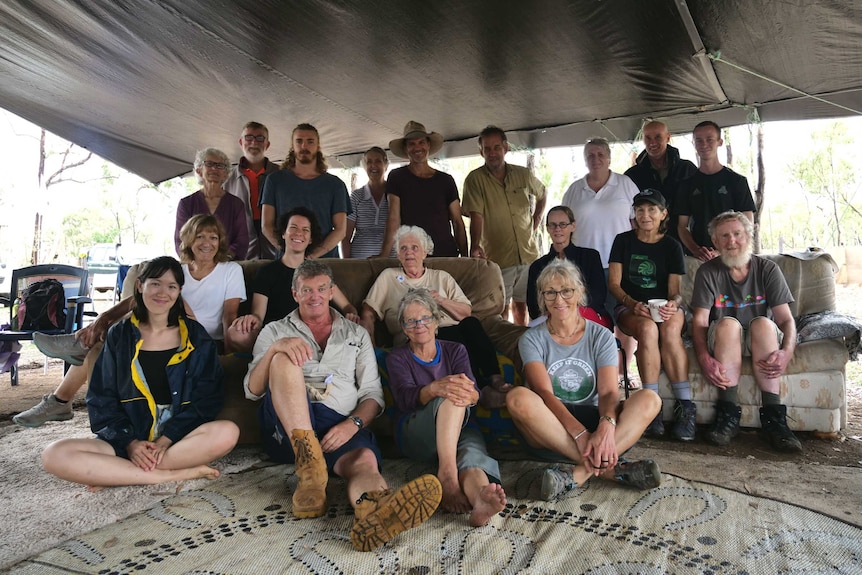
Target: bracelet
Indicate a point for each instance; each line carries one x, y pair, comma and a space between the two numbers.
578, 436
609, 419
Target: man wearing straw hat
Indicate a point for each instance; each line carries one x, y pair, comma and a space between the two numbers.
421, 196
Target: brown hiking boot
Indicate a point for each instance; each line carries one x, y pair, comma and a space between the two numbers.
309, 499
381, 515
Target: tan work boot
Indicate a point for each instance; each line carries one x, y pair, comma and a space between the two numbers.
309, 499
381, 515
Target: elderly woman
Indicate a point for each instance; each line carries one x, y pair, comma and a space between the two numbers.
560, 223
366, 225
154, 393
212, 167
214, 286
413, 246
433, 388
646, 264
270, 301
570, 407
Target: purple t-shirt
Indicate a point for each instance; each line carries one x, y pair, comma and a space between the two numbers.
425, 203
230, 212
408, 374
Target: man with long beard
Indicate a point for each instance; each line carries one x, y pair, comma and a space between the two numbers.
740, 307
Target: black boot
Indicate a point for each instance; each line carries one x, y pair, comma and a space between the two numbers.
726, 426
773, 420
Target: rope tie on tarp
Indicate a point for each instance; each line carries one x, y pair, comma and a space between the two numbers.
716, 57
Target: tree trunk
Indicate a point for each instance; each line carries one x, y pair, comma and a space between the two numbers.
759, 190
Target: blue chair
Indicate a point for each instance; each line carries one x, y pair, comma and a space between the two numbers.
75, 286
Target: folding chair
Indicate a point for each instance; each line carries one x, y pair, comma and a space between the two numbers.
74, 282
627, 384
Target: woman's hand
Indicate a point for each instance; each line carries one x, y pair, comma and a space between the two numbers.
456, 388
601, 451
143, 454
668, 310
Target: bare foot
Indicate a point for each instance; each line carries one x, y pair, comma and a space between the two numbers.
94, 488
491, 500
453, 499
206, 472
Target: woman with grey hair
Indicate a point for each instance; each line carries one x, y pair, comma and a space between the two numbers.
212, 167
434, 388
570, 406
456, 324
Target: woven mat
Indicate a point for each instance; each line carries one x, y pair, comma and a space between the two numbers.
242, 524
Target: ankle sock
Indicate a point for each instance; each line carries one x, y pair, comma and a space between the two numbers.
58, 400
770, 398
729, 395
651, 386
682, 390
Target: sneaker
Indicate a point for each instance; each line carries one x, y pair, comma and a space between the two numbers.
556, 481
726, 426
64, 347
381, 515
773, 420
656, 427
685, 419
49, 409
642, 474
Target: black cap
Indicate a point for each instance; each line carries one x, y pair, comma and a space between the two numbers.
652, 196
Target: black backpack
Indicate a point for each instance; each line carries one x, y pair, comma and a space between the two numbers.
43, 306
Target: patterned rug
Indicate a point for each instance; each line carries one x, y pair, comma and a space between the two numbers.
242, 524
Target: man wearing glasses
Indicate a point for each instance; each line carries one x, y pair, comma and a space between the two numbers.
246, 182
317, 376
505, 204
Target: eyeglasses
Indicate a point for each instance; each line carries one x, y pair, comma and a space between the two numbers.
252, 138
561, 225
414, 323
216, 165
551, 295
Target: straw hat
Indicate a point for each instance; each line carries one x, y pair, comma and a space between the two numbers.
415, 130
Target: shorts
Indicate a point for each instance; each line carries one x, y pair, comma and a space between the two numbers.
515, 283
416, 436
745, 334
276, 441
588, 415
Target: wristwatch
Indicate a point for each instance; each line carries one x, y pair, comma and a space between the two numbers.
357, 421
609, 419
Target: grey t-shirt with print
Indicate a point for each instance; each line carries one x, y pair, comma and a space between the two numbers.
573, 368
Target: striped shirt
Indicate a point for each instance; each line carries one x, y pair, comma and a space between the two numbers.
370, 220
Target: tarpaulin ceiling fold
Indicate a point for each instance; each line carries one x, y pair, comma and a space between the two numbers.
144, 83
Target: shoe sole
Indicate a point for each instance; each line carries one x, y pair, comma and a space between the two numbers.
308, 512
65, 417
410, 506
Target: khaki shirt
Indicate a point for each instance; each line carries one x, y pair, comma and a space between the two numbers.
507, 234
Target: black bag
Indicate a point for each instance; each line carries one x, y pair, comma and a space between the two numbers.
43, 306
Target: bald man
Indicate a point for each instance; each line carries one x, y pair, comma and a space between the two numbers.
659, 167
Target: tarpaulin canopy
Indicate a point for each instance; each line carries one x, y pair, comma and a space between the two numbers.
144, 83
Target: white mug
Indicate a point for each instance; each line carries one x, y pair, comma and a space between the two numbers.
654, 304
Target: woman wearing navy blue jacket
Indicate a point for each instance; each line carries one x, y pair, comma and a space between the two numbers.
153, 397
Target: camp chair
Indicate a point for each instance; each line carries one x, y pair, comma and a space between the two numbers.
74, 282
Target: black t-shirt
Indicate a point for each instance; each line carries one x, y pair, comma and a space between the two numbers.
704, 196
153, 364
273, 281
646, 267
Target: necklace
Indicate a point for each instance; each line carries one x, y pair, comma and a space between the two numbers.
578, 327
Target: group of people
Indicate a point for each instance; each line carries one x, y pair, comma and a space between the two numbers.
156, 382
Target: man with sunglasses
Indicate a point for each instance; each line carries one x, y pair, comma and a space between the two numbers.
246, 182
